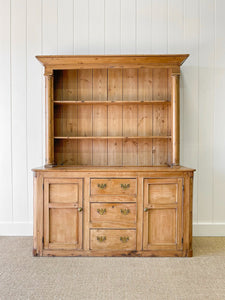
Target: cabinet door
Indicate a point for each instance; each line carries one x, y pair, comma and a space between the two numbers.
62, 213
163, 214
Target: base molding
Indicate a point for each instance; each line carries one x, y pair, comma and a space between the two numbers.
209, 229
16, 229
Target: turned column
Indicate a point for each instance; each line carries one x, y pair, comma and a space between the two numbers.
175, 102
49, 124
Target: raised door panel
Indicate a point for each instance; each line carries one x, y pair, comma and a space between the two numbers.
163, 214
62, 215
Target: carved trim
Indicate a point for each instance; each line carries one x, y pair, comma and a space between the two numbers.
48, 71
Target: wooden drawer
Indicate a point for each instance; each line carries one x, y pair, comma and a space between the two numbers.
112, 239
114, 186
117, 214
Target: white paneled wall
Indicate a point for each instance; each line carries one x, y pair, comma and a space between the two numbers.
34, 27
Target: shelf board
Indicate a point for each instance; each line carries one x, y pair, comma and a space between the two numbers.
109, 137
114, 102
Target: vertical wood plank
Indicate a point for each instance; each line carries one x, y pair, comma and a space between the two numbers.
100, 153
130, 150
84, 85
69, 86
145, 84
115, 156
100, 115
34, 95
81, 25
130, 120
65, 27
130, 79
112, 27
96, 27
99, 84
84, 152
50, 25
145, 117
159, 115
58, 85
130, 146
100, 120
6, 115
159, 26
115, 80
219, 121
144, 24
84, 148
115, 120
115, 128
206, 103
176, 45
19, 110
191, 89
128, 30
145, 129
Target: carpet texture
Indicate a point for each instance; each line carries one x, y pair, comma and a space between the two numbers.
25, 277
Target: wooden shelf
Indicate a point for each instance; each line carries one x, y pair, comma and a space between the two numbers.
109, 137
114, 102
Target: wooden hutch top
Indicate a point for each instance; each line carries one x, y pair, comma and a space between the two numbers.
112, 110
59, 62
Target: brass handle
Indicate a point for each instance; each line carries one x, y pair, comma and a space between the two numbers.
125, 186
101, 238
80, 209
101, 211
145, 209
125, 211
102, 185
124, 239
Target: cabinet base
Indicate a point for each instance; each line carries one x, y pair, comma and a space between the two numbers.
82, 253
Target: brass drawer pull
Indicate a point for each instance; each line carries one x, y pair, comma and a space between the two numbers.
124, 239
125, 211
101, 238
80, 209
101, 211
102, 185
125, 186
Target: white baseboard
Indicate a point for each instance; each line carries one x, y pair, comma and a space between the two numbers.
209, 229
26, 229
16, 229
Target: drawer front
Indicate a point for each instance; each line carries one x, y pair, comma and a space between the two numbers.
112, 239
112, 186
117, 213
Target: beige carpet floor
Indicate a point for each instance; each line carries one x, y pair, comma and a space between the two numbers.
25, 277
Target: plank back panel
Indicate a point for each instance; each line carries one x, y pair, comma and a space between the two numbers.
110, 119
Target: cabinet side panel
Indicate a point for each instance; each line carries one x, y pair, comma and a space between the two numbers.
38, 215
